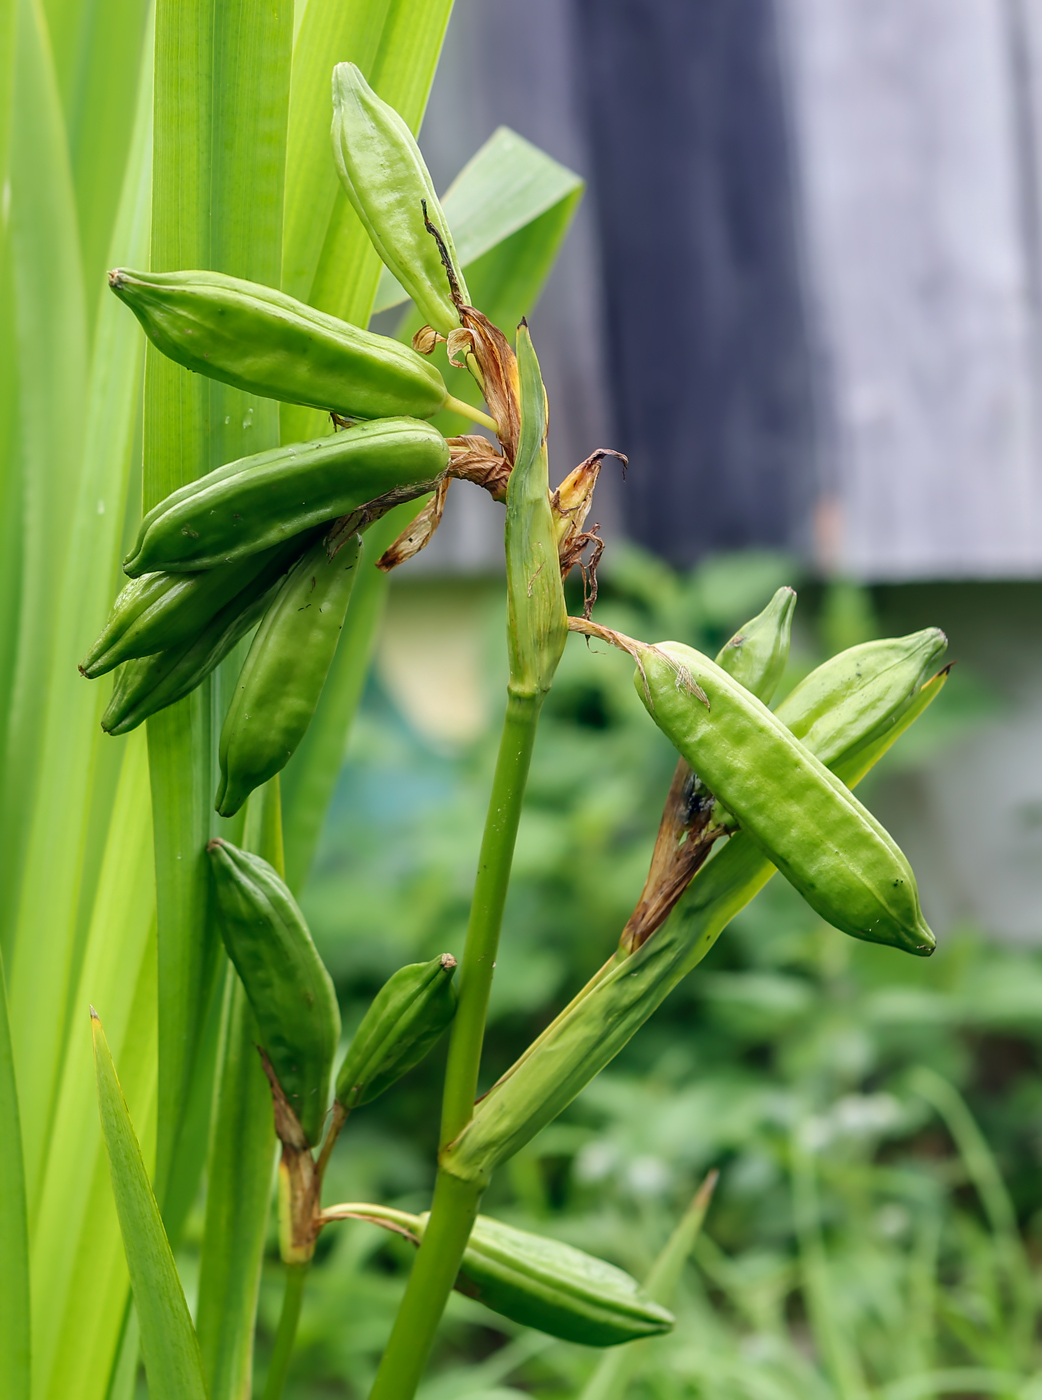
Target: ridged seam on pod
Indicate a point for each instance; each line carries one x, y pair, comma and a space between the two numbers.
756, 656
281, 680
286, 981
809, 825
387, 181
537, 619
260, 501
149, 684
556, 1288
408, 1015
265, 342
592, 1031
158, 611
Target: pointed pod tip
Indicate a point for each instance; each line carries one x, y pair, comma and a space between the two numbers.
448, 962
215, 844
94, 1016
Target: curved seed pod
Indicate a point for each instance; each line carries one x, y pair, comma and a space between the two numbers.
387, 181
852, 699
267, 343
158, 611
259, 501
148, 685
756, 656
282, 677
808, 824
285, 979
556, 1288
409, 1013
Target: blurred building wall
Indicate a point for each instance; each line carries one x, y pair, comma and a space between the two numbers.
804, 293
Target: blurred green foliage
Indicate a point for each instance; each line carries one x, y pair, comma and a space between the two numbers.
855, 1247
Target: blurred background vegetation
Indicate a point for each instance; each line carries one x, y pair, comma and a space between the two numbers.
876, 1119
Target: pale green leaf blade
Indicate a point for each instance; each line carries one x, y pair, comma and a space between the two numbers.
168, 1340
14, 1238
79, 1275
504, 187
52, 362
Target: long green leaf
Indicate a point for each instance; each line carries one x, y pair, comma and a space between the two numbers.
79, 1273
168, 1340
14, 1237
52, 366
506, 185
222, 92
69, 708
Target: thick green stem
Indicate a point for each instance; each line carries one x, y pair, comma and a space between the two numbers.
486, 912
456, 1202
452, 1215
296, 1275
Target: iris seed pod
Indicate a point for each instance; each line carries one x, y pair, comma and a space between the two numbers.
158, 611
282, 677
803, 819
556, 1288
285, 979
387, 181
259, 501
756, 656
409, 1014
607, 1014
145, 686
267, 343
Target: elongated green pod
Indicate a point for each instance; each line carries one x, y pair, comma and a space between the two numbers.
260, 501
282, 677
853, 698
149, 684
605, 1016
267, 343
757, 654
409, 1014
556, 1288
158, 611
804, 820
387, 181
537, 619
285, 979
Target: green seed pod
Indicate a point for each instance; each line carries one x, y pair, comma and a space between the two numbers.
756, 656
158, 611
282, 677
804, 820
852, 699
556, 1288
267, 343
410, 1012
537, 619
285, 979
387, 181
148, 685
260, 501
605, 1016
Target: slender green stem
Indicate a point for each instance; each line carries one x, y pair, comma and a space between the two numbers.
296, 1275
486, 912
453, 1211
466, 411
456, 1202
